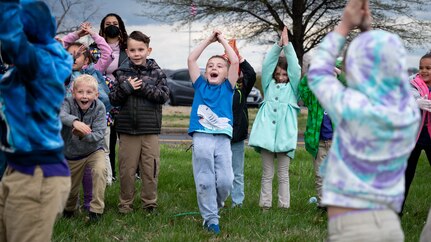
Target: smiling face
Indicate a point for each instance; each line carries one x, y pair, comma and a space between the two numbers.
85, 93
425, 70
216, 70
137, 51
280, 75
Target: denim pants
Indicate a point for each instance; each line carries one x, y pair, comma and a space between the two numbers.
212, 171
237, 192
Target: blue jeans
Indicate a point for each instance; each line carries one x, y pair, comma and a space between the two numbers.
238, 172
212, 171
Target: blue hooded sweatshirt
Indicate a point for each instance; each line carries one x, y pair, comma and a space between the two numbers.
32, 91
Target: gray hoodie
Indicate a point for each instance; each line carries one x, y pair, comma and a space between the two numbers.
75, 147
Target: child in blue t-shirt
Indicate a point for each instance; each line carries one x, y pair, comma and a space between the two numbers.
211, 128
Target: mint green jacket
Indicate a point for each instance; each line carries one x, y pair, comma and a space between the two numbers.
275, 127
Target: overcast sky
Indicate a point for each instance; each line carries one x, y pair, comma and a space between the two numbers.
171, 48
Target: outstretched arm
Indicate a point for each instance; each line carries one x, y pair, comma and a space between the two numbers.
194, 70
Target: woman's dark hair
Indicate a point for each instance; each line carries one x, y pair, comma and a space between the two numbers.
86, 52
139, 36
123, 32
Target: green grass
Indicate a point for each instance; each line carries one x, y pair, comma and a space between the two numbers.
179, 220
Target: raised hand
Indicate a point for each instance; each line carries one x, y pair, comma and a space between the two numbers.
356, 13
86, 26
284, 38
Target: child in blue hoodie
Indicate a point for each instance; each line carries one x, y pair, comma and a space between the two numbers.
36, 183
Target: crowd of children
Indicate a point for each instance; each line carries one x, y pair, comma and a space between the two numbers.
365, 156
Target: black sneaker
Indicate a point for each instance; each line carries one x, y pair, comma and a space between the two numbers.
151, 210
68, 214
94, 217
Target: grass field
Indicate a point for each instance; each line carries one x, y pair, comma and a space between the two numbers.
178, 218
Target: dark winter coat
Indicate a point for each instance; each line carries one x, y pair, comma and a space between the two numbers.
140, 110
240, 112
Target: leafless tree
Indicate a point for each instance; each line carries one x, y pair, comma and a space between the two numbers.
69, 14
308, 20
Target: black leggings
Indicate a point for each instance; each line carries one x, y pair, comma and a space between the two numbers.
112, 146
411, 167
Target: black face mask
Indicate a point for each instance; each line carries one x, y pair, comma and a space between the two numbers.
112, 31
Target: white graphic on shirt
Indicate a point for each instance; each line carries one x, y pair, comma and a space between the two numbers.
210, 120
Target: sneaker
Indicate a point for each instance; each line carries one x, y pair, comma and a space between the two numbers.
124, 209
151, 211
265, 209
68, 214
236, 205
94, 217
214, 228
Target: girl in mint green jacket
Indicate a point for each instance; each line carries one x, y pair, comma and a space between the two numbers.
275, 130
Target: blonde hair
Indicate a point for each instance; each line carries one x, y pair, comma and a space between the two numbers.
86, 79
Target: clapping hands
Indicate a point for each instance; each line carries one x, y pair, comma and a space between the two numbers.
284, 39
356, 14
84, 29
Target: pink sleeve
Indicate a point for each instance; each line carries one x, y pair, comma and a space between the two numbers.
106, 57
69, 39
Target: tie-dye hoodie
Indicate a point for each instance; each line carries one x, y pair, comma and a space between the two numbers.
376, 117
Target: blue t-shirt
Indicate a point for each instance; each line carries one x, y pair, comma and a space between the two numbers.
212, 108
326, 128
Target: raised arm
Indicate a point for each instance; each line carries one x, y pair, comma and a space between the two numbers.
233, 58
194, 69
106, 57
321, 76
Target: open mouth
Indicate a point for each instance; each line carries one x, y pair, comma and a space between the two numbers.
84, 102
213, 75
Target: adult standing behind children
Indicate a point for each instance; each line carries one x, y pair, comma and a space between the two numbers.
420, 88
240, 125
84, 123
112, 28
36, 183
140, 91
376, 121
211, 128
275, 130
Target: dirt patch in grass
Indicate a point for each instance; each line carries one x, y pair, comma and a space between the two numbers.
176, 110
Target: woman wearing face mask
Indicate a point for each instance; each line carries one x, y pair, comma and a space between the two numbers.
113, 30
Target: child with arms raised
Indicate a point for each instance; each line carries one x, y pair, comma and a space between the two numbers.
377, 121
83, 117
275, 132
211, 128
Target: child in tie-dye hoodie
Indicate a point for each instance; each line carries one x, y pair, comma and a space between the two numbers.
377, 121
